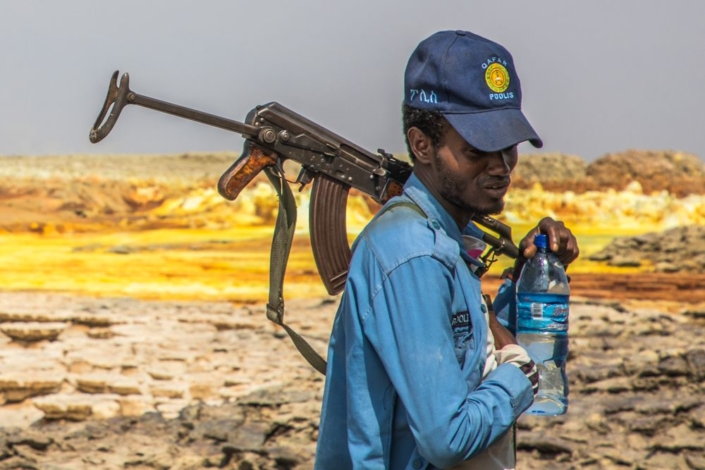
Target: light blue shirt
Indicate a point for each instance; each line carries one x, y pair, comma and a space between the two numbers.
407, 351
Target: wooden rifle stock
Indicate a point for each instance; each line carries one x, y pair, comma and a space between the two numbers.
251, 162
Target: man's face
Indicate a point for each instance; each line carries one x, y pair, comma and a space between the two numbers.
472, 180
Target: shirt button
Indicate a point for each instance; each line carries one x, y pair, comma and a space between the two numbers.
483, 307
435, 224
417, 463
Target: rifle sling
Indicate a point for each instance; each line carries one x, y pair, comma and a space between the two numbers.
281, 246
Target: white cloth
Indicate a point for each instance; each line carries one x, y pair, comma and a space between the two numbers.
500, 455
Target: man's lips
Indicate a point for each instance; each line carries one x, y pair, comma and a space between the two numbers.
497, 188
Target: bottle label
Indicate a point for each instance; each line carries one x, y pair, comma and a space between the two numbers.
542, 312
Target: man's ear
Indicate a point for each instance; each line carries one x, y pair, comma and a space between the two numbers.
420, 144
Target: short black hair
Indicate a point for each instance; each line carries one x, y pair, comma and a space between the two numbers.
431, 123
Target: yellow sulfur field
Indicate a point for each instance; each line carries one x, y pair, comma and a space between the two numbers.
219, 250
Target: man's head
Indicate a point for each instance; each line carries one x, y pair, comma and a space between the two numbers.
472, 82
462, 120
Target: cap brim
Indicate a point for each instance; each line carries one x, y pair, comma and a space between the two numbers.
491, 131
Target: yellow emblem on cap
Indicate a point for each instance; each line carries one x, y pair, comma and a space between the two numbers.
497, 77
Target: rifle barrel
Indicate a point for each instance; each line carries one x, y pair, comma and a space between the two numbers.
246, 130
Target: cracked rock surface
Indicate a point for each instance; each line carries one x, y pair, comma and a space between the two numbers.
188, 385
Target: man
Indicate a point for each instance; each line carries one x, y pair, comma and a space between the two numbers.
415, 377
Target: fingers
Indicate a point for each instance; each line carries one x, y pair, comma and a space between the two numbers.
532, 373
526, 246
530, 250
561, 240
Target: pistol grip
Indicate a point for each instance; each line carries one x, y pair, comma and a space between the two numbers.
244, 170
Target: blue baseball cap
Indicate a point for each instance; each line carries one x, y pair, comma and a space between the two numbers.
473, 83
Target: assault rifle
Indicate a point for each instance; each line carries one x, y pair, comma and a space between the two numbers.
274, 134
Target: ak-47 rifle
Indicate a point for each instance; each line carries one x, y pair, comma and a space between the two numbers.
333, 164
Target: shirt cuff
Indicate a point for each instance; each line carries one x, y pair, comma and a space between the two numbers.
516, 384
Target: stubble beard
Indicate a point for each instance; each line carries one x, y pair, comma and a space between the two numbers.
452, 188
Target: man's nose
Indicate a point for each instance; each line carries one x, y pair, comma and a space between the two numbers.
500, 164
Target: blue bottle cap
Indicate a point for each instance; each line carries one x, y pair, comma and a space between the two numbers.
541, 241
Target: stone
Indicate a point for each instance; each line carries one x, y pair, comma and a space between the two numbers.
696, 313
105, 409
170, 409
614, 385
33, 331
625, 458
168, 390
96, 320
70, 407
696, 363
695, 461
161, 373
643, 364
17, 387
648, 425
673, 366
33, 317
681, 438
93, 383
124, 386
544, 443
35, 440
621, 261
134, 405
248, 437
204, 390
100, 333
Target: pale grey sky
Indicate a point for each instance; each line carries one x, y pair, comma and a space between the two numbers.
598, 76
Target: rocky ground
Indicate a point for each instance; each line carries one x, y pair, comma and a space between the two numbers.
676, 250
122, 383
118, 383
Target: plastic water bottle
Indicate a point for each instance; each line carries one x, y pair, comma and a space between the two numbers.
542, 326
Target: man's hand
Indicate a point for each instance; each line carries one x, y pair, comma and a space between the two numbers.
532, 373
561, 241
502, 336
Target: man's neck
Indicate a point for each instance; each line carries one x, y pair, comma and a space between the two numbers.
461, 216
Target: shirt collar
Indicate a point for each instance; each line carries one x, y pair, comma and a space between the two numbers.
433, 209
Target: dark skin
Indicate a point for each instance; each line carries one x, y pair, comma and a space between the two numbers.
467, 181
